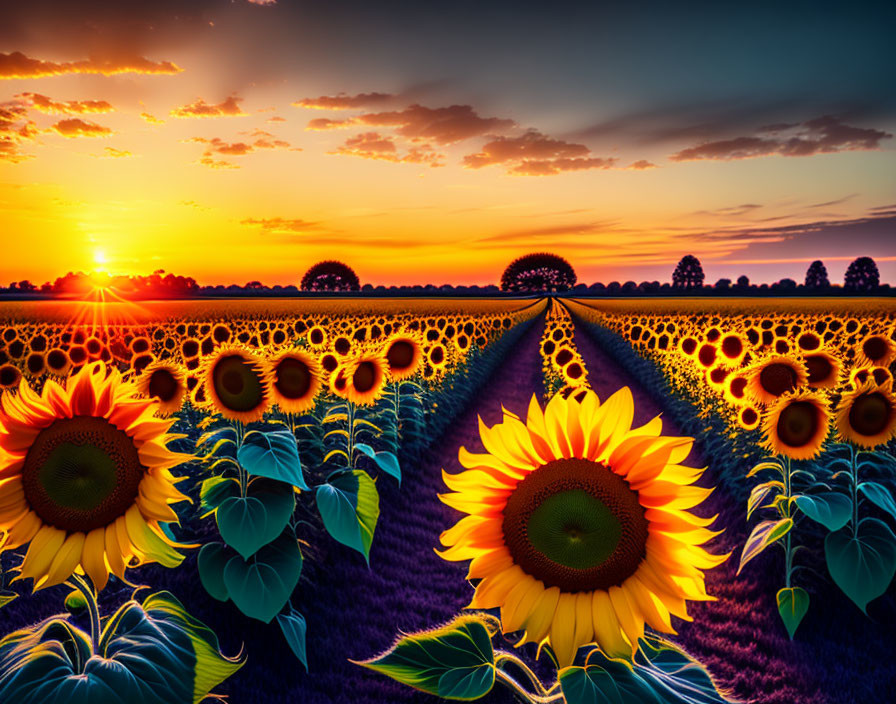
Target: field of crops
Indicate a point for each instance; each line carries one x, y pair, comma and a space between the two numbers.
674, 501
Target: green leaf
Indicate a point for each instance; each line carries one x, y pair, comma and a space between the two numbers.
757, 496
591, 684
211, 561
832, 510
273, 454
455, 661
862, 565
154, 653
6, 597
261, 585
386, 461
763, 465
349, 505
215, 490
247, 523
293, 626
880, 496
763, 535
793, 603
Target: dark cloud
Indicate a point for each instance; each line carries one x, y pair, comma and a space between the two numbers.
226, 108
66, 107
823, 135
17, 65
76, 127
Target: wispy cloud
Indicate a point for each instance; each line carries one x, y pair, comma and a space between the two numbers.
76, 127
17, 65
344, 102
45, 104
373, 145
536, 154
226, 108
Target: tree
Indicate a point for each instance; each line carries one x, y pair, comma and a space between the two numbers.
817, 276
862, 275
743, 281
538, 272
688, 274
723, 284
330, 276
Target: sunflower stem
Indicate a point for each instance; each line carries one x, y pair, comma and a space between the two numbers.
521, 691
83, 585
788, 552
396, 404
243, 475
350, 441
854, 474
503, 656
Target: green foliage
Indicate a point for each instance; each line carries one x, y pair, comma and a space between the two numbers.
215, 490
292, 623
862, 564
455, 661
386, 461
154, 653
831, 509
248, 522
879, 495
273, 454
211, 561
261, 585
349, 505
793, 603
763, 535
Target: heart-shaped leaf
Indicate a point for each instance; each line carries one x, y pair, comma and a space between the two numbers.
386, 461
349, 505
273, 454
215, 490
832, 510
793, 603
591, 684
880, 496
261, 585
211, 561
455, 661
292, 623
862, 565
248, 522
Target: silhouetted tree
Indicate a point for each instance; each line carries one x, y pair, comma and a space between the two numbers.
722, 285
784, 285
743, 281
688, 274
817, 275
330, 276
862, 275
538, 272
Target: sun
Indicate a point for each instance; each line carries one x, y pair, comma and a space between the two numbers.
100, 258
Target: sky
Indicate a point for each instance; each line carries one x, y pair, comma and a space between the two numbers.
422, 142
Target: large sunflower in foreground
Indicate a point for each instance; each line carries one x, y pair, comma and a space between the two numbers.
84, 477
578, 527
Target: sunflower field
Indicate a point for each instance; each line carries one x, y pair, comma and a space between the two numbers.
673, 501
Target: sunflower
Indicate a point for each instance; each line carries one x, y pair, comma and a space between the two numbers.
866, 416
797, 424
366, 377
823, 369
296, 381
237, 383
578, 528
84, 477
876, 351
748, 418
10, 376
735, 389
317, 337
772, 377
403, 355
58, 362
732, 348
164, 382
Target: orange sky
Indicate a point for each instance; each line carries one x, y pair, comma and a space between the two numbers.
157, 160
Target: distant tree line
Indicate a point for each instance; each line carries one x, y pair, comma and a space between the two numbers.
533, 274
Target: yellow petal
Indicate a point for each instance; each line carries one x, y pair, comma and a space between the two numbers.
64, 562
93, 558
563, 629
607, 631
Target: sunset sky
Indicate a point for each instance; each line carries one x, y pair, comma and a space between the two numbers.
425, 142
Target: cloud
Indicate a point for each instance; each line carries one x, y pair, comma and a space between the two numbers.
17, 65
76, 127
200, 108
276, 118
536, 154
281, 224
343, 101
216, 145
114, 153
151, 119
262, 3
641, 165
15, 130
823, 135
67, 107
446, 125
217, 164
373, 145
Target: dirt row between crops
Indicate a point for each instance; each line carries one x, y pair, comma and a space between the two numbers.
839, 655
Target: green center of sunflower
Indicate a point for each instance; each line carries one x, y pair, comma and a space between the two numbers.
237, 384
576, 525
869, 414
81, 473
293, 378
798, 423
